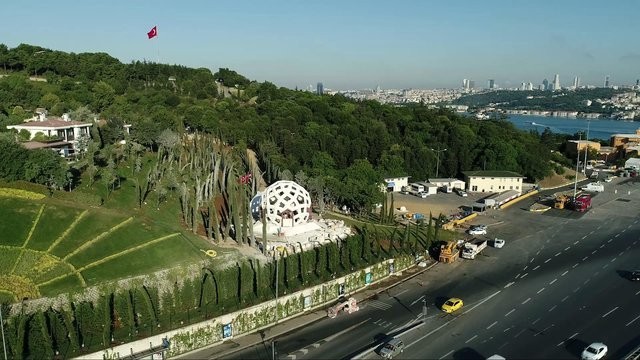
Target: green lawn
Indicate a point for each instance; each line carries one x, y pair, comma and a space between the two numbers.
99, 243
54, 220
17, 218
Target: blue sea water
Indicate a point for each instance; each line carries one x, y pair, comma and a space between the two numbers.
598, 128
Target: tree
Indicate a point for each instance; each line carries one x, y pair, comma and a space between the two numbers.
45, 167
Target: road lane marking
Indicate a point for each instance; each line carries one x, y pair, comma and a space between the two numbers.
584, 237
631, 322
509, 284
621, 252
564, 298
518, 334
402, 292
638, 293
507, 329
574, 265
594, 251
623, 230
576, 289
610, 240
605, 266
572, 336
601, 246
586, 281
591, 233
524, 302
576, 242
610, 311
510, 312
567, 248
546, 261
585, 258
543, 330
490, 326
553, 307
552, 281
517, 276
418, 299
471, 339
429, 333
616, 235
614, 259
634, 242
599, 227
536, 268
538, 253
447, 354
525, 268
525, 274
539, 291
596, 273
558, 254
483, 301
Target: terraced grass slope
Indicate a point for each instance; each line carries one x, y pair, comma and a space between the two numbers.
47, 248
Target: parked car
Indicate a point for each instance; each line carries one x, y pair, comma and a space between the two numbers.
392, 348
634, 275
461, 192
477, 231
595, 351
498, 243
452, 305
608, 179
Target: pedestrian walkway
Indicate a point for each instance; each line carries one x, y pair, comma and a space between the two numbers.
241, 342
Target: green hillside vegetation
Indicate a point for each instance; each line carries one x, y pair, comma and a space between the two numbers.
542, 100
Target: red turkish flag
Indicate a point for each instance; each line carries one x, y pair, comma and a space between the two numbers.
153, 32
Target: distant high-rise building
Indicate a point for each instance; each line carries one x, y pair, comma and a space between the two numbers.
541, 87
523, 86
492, 84
576, 82
378, 89
465, 83
319, 89
606, 81
637, 82
545, 84
556, 82
472, 84
529, 86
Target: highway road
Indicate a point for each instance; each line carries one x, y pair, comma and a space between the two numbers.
556, 286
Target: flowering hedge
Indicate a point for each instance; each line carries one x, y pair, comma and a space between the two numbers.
22, 194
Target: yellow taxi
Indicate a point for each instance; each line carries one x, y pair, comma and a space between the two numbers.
452, 305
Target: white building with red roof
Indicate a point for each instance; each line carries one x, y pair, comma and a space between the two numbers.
61, 134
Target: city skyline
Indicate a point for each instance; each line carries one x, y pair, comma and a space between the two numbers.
344, 45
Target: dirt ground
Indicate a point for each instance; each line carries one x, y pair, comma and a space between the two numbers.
447, 204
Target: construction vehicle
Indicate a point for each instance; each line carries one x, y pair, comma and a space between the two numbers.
472, 248
582, 202
449, 252
561, 201
348, 306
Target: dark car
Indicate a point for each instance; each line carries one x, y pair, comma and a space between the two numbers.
634, 275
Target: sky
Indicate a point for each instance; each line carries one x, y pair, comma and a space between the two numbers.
350, 44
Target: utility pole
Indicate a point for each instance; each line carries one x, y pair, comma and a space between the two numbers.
4, 344
586, 150
277, 280
575, 185
273, 350
438, 158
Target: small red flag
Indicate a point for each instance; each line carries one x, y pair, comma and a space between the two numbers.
153, 32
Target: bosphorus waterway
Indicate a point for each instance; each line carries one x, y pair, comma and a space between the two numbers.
598, 128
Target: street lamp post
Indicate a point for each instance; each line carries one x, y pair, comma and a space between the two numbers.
586, 150
277, 280
438, 158
575, 185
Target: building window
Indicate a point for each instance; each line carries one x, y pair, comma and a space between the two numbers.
474, 188
511, 187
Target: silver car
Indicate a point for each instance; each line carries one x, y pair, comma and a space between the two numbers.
392, 348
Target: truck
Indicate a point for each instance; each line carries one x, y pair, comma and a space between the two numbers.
473, 248
594, 187
582, 202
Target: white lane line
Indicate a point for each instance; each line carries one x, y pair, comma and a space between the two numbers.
594, 251
569, 338
586, 281
490, 326
629, 226
539, 291
576, 242
616, 235
525, 274
447, 354
605, 266
564, 298
601, 246
614, 259
552, 281
621, 252
631, 322
553, 307
543, 330
599, 227
591, 233
526, 301
402, 292
567, 248
635, 222
429, 333
536, 268
535, 321
507, 329
532, 260
510, 312
560, 343
509, 284
574, 265
564, 273
623, 230
610, 311
584, 237
585, 258
596, 273
633, 243
471, 339
610, 240
525, 268
417, 300
517, 276
546, 261
558, 254
538, 253
628, 247
638, 293
518, 334
483, 301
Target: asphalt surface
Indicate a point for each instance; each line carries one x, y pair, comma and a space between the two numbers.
557, 286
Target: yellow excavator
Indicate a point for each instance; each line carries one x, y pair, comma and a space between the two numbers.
561, 201
449, 252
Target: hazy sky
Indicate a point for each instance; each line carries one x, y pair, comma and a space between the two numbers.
350, 44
